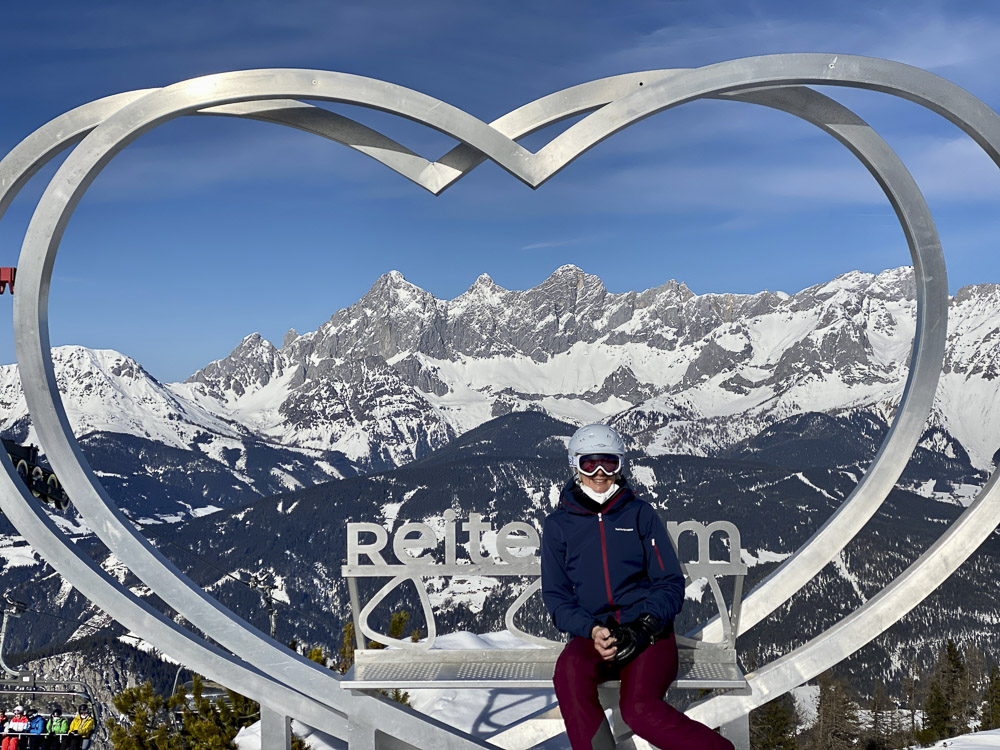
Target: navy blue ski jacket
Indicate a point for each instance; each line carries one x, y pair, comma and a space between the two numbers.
614, 559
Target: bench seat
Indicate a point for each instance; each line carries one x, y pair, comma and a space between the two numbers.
512, 668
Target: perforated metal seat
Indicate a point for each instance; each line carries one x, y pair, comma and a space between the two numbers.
523, 668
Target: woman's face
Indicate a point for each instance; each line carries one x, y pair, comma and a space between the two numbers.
600, 482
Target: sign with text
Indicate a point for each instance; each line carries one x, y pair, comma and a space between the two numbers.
415, 545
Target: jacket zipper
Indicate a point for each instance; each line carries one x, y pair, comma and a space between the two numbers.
604, 555
658, 558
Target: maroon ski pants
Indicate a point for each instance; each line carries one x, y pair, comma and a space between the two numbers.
644, 683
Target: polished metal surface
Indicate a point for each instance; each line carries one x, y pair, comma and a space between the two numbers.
506, 669
476, 669
107, 126
704, 665
415, 569
710, 676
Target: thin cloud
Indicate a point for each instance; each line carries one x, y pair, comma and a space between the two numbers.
926, 35
559, 243
942, 40
954, 169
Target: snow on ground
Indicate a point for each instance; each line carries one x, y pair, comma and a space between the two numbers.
577, 410
249, 738
696, 590
146, 647
470, 590
18, 556
205, 511
806, 700
763, 556
847, 575
480, 712
964, 494
971, 741
643, 475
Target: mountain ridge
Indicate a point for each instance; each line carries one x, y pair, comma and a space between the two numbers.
400, 373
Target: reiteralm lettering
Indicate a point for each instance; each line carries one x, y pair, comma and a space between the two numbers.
415, 544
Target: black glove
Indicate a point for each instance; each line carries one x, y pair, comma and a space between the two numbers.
632, 638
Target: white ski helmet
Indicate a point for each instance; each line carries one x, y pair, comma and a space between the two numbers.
594, 439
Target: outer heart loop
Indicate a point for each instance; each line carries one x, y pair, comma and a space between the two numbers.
107, 126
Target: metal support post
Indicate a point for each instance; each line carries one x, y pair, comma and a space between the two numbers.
360, 736
275, 730
737, 731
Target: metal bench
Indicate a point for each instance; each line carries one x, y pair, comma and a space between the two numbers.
413, 665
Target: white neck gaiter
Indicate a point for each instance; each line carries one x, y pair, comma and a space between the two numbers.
599, 497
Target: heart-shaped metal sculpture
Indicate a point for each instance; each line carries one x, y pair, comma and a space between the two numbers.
288, 685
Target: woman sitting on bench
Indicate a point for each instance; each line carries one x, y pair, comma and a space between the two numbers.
610, 578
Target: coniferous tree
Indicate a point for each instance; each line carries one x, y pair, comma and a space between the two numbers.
910, 700
937, 715
146, 721
317, 654
212, 725
881, 709
973, 685
897, 729
182, 722
944, 703
346, 653
398, 624
956, 682
773, 726
837, 724
991, 702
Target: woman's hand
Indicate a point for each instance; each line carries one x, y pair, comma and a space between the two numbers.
603, 642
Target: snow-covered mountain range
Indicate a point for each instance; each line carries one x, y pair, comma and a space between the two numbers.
401, 373
774, 402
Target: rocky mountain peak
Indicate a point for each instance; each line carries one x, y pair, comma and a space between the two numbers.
395, 281
570, 291
483, 291
571, 348
978, 292
248, 367
894, 284
573, 277
392, 293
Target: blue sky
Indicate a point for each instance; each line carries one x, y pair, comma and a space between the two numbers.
209, 229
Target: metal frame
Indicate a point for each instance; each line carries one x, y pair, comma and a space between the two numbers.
411, 665
264, 669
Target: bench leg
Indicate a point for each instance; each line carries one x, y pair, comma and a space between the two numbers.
737, 731
604, 739
623, 735
275, 730
622, 738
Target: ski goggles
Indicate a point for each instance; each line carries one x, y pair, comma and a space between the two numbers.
609, 463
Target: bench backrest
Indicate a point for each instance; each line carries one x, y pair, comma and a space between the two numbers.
412, 538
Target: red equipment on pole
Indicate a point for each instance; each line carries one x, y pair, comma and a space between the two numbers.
7, 275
